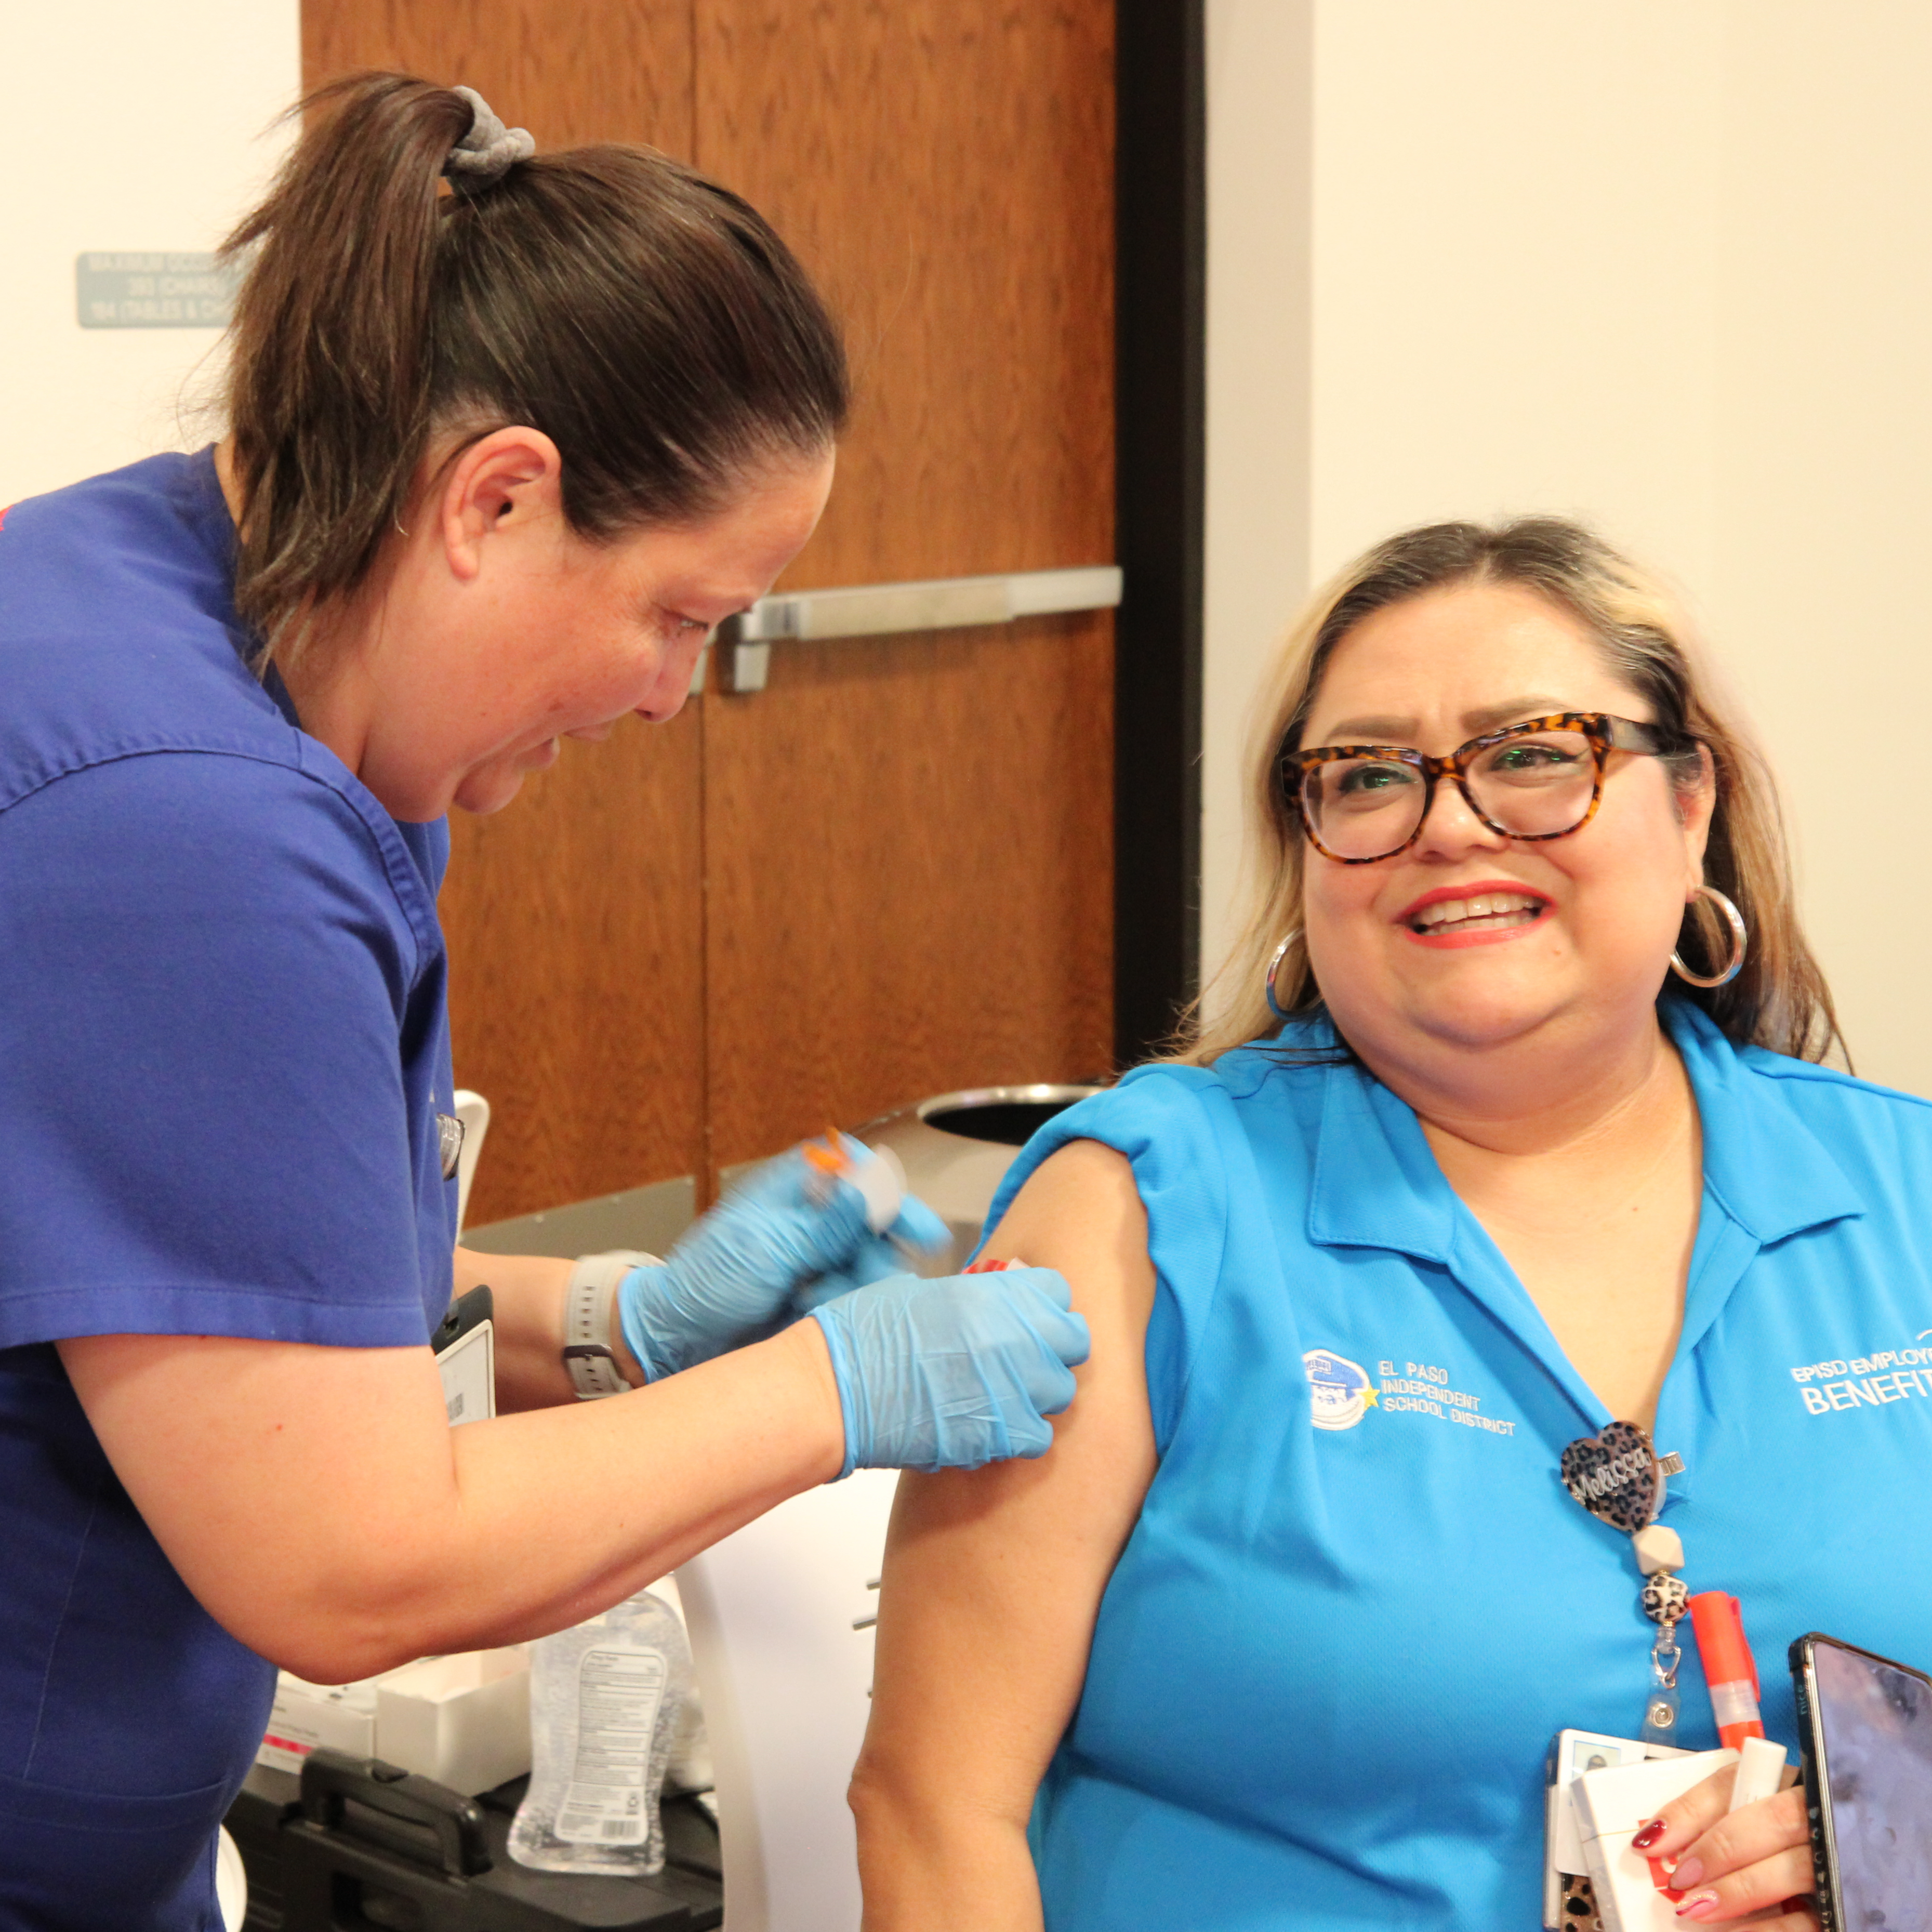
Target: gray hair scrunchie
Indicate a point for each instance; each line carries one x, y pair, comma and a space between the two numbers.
487, 151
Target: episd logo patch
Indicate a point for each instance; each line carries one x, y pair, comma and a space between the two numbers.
1340, 1392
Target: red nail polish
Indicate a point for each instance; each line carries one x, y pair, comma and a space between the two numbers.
1648, 1836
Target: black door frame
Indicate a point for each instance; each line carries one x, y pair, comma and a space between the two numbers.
1160, 297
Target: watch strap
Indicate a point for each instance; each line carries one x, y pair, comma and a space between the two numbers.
588, 1356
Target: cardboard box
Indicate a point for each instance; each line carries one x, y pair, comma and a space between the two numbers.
342, 1716
463, 1721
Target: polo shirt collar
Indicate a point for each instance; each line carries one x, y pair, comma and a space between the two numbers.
1770, 1172
1377, 1183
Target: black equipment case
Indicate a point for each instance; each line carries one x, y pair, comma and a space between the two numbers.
355, 1845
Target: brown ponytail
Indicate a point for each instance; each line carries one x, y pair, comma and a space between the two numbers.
650, 323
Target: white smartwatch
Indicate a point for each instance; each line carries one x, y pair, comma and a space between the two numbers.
588, 1356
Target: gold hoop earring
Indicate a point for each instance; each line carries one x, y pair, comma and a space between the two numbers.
1740, 941
1274, 965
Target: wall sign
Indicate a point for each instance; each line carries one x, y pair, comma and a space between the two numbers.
131, 289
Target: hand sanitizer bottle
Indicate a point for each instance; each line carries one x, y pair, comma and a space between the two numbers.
606, 1699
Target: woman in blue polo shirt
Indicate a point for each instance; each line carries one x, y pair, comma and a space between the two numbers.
498, 459
1279, 1634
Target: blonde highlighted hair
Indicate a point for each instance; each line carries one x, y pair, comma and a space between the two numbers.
1779, 1000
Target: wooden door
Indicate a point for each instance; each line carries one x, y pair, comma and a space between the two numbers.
575, 919
908, 849
890, 872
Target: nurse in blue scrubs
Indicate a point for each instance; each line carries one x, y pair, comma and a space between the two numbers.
501, 452
1509, 1119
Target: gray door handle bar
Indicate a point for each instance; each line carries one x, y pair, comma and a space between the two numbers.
743, 643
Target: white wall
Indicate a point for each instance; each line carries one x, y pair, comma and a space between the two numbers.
1664, 265
1258, 523
129, 125
1514, 263
1824, 475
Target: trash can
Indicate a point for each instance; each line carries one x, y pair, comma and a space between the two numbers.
956, 1148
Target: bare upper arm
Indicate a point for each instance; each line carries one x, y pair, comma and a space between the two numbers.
993, 1577
268, 1470
319, 1504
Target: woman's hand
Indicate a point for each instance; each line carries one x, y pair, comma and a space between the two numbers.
955, 1373
789, 1237
1730, 1865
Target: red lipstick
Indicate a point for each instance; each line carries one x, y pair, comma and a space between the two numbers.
1439, 939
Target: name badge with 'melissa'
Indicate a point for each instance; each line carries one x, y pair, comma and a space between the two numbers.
1616, 1476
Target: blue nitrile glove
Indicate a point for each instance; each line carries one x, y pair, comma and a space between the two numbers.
737, 1274
917, 1230
950, 1373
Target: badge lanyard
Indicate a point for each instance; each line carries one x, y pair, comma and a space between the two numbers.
1618, 1477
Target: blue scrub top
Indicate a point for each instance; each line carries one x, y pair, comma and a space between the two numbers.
1358, 1603
222, 1049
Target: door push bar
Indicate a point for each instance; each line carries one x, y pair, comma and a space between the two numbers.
742, 645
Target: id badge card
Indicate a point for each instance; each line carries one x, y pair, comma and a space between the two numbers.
1569, 1904
465, 1357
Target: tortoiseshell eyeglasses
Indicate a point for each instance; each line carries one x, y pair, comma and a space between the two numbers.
1541, 779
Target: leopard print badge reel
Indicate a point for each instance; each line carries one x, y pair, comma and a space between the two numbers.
1618, 1477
